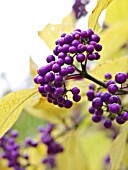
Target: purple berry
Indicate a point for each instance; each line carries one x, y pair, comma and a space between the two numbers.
72, 49
110, 82
97, 56
99, 112
96, 118
95, 38
62, 55
107, 124
64, 72
68, 60
91, 57
68, 104
98, 47
76, 98
91, 110
119, 120
58, 78
47, 88
50, 58
84, 34
90, 48
56, 68
42, 70
80, 57
114, 108
49, 77
75, 90
75, 43
124, 116
90, 32
71, 69
120, 78
81, 48
112, 88
107, 76
60, 61
114, 99
97, 103
105, 97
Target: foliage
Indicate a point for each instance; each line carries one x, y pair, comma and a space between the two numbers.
86, 144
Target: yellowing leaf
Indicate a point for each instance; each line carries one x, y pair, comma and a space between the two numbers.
73, 157
114, 66
33, 67
116, 12
52, 31
93, 19
11, 106
113, 38
117, 151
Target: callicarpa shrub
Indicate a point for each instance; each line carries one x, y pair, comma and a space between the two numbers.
69, 60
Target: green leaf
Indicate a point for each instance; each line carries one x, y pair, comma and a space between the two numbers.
116, 12
52, 31
11, 106
117, 150
27, 125
113, 38
114, 66
93, 19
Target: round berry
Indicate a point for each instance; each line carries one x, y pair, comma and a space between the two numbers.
110, 82
91, 110
91, 57
75, 90
96, 118
68, 104
56, 68
81, 48
71, 69
80, 57
76, 98
50, 58
99, 112
124, 116
112, 88
120, 78
95, 37
90, 48
114, 108
68, 60
97, 103
49, 77
105, 97
107, 124
107, 76
119, 120
64, 72
72, 49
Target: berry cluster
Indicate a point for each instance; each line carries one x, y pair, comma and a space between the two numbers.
79, 8
53, 148
78, 46
107, 105
11, 151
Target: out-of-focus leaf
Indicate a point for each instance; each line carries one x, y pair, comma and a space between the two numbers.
113, 38
116, 12
11, 106
73, 157
33, 67
96, 145
27, 125
93, 19
41, 108
52, 31
114, 66
36, 156
117, 150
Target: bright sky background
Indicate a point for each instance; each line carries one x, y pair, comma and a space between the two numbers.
20, 20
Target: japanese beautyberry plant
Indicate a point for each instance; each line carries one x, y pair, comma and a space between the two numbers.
81, 95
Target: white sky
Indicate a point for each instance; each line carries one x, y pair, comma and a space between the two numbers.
20, 20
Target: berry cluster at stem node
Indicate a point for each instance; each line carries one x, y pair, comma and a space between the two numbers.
77, 46
107, 106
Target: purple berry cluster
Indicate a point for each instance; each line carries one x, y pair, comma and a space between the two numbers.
77, 46
79, 8
11, 151
53, 148
107, 106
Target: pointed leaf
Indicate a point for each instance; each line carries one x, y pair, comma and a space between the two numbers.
93, 19
117, 150
11, 106
113, 67
116, 12
113, 38
52, 31
33, 67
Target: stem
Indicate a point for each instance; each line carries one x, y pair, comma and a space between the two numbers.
89, 77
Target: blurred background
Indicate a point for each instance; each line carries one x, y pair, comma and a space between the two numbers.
20, 21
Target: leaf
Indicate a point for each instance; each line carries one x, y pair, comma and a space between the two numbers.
117, 151
113, 67
113, 38
52, 31
29, 127
11, 106
116, 12
93, 18
33, 67
73, 157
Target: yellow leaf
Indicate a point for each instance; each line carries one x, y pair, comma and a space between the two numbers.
114, 66
33, 67
41, 108
73, 157
117, 150
113, 38
116, 12
11, 106
52, 31
93, 19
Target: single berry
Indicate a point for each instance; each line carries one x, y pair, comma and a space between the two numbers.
97, 103
96, 118
107, 124
50, 58
114, 108
80, 57
112, 88
107, 76
120, 78
75, 90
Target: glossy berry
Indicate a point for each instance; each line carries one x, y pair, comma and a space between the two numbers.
107, 124
120, 78
107, 76
112, 88
75, 90
80, 57
96, 118
114, 108
97, 103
